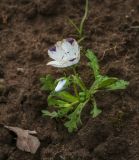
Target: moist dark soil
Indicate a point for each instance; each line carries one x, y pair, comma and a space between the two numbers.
27, 29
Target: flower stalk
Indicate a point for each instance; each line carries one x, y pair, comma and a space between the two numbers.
74, 85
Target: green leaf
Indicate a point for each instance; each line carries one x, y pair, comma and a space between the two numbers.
52, 101
50, 114
62, 112
120, 84
78, 81
47, 83
110, 83
102, 82
95, 110
66, 96
93, 62
75, 118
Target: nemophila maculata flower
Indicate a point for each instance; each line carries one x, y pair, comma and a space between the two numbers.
69, 94
64, 53
60, 85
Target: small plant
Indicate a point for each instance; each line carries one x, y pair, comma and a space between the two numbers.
69, 94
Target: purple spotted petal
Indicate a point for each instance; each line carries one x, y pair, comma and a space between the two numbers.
70, 40
71, 60
52, 49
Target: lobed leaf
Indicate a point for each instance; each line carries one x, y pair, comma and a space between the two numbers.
75, 118
93, 62
119, 84
95, 110
50, 114
66, 96
102, 82
52, 101
62, 112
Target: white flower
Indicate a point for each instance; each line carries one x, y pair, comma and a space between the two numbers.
60, 85
65, 53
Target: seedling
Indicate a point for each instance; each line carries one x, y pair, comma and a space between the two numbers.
69, 94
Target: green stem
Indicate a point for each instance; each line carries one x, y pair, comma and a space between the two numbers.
81, 39
84, 18
80, 82
74, 25
74, 103
74, 71
74, 85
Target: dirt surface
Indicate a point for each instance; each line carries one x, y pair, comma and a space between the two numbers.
27, 29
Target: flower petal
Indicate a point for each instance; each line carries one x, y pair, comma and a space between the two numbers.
65, 53
75, 45
55, 64
63, 64
76, 48
70, 40
56, 52
71, 47
60, 85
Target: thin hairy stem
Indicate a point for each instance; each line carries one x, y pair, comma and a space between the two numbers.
83, 19
74, 85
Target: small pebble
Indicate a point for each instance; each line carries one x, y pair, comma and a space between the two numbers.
2, 81
127, 16
20, 70
132, 10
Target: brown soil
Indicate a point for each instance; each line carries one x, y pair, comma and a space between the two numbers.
27, 29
